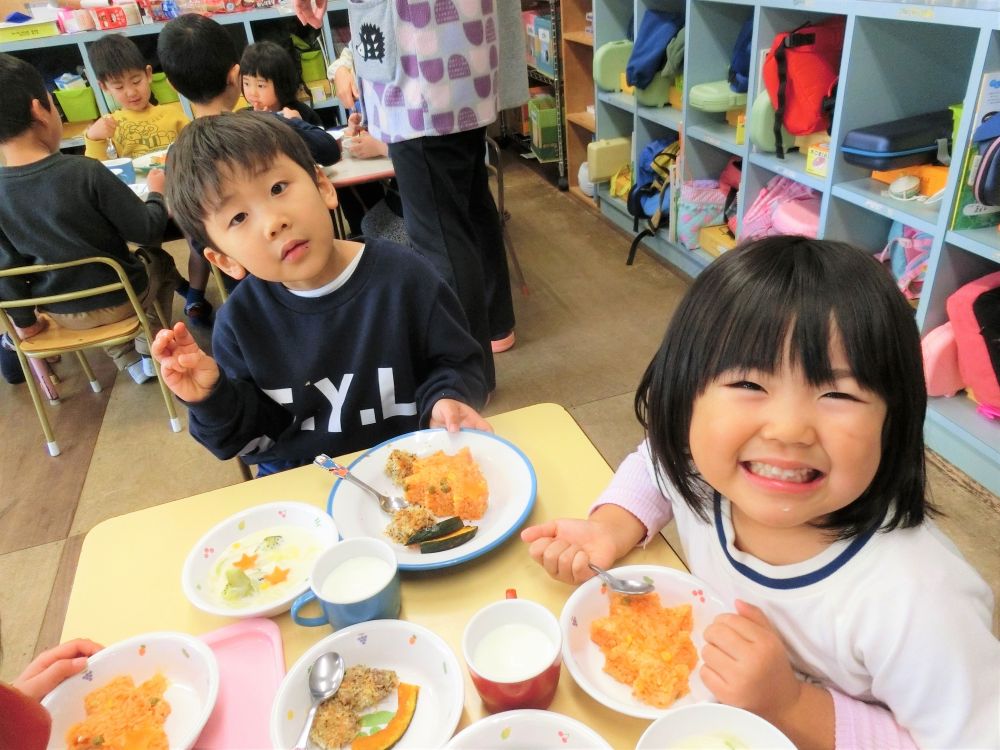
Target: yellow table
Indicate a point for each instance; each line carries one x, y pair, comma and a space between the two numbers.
128, 578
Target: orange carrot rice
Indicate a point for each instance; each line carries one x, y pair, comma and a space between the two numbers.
448, 485
123, 716
647, 646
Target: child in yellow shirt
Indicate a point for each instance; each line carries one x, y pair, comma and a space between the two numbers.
139, 126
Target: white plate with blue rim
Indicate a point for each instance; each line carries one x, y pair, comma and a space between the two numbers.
417, 656
509, 476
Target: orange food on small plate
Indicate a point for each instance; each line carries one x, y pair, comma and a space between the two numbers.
647, 646
448, 485
122, 716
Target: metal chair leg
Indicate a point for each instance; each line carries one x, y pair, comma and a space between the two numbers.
244, 470
219, 282
95, 385
36, 399
168, 399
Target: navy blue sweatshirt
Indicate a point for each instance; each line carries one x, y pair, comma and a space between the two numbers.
339, 373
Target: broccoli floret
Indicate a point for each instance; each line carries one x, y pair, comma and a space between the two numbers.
270, 543
238, 585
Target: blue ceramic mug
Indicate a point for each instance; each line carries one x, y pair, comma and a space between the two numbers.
354, 581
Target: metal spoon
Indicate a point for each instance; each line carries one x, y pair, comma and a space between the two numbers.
622, 585
324, 680
389, 504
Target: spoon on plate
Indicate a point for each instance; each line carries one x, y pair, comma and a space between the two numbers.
325, 676
622, 585
389, 504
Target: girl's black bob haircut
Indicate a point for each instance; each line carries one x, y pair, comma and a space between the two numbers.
785, 296
272, 61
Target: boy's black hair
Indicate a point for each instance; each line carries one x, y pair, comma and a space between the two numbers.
217, 149
273, 62
742, 312
19, 84
197, 54
115, 55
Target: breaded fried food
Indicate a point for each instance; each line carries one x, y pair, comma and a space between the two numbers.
399, 465
364, 686
647, 646
448, 485
407, 522
335, 725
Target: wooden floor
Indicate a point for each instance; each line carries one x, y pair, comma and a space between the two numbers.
585, 333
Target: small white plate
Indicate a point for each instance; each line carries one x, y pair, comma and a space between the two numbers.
716, 721
418, 656
584, 659
203, 556
188, 664
527, 728
509, 476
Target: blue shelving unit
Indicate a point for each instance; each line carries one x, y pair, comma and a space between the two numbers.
892, 67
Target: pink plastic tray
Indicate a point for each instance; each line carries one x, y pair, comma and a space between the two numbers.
251, 667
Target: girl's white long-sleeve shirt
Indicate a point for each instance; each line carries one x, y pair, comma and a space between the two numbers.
898, 619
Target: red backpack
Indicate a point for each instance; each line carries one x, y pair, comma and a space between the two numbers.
800, 74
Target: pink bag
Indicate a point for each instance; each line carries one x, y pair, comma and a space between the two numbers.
797, 217
758, 221
940, 354
974, 311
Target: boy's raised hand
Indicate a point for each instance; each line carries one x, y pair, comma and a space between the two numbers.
186, 369
103, 128
564, 547
156, 180
453, 415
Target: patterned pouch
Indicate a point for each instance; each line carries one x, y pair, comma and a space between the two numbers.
701, 204
373, 39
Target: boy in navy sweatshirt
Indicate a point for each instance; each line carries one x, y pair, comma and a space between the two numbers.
327, 346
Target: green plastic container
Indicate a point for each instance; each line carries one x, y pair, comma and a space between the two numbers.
79, 105
162, 89
313, 66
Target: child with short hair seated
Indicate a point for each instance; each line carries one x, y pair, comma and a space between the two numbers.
139, 126
86, 211
783, 416
326, 346
271, 82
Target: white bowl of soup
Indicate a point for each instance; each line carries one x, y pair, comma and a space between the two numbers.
712, 726
256, 562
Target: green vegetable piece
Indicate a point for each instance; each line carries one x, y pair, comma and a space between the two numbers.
435, 531
238, 585
449, 541
269, 543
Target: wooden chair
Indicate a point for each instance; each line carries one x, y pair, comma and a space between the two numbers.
495, 168
57, 340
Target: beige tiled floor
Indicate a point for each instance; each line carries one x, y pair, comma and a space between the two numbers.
585, 333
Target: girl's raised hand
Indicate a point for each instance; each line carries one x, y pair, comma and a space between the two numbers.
564, 547
186, 369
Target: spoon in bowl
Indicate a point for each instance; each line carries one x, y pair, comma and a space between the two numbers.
389, 504
324, 681
622, 585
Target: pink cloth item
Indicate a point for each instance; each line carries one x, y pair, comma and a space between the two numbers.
860, 726
758, 221
940, 355
632, 489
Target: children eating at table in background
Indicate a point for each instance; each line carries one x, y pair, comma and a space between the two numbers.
271, 82
783, 416
88, 212
138, 126
327, 346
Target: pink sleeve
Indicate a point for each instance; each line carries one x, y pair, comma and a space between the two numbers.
859, 725
633, 489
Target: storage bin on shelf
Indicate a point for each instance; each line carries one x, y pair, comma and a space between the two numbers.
79, 105
544, 118
162, 89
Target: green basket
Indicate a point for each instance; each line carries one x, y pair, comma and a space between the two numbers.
313, 65
162, 89
79, 105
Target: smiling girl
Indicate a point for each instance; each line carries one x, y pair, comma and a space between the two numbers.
271, 82
783, 416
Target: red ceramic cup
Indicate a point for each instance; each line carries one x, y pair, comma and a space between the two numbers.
513, 649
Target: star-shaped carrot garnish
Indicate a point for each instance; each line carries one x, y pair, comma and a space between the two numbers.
246, 562
278, 575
